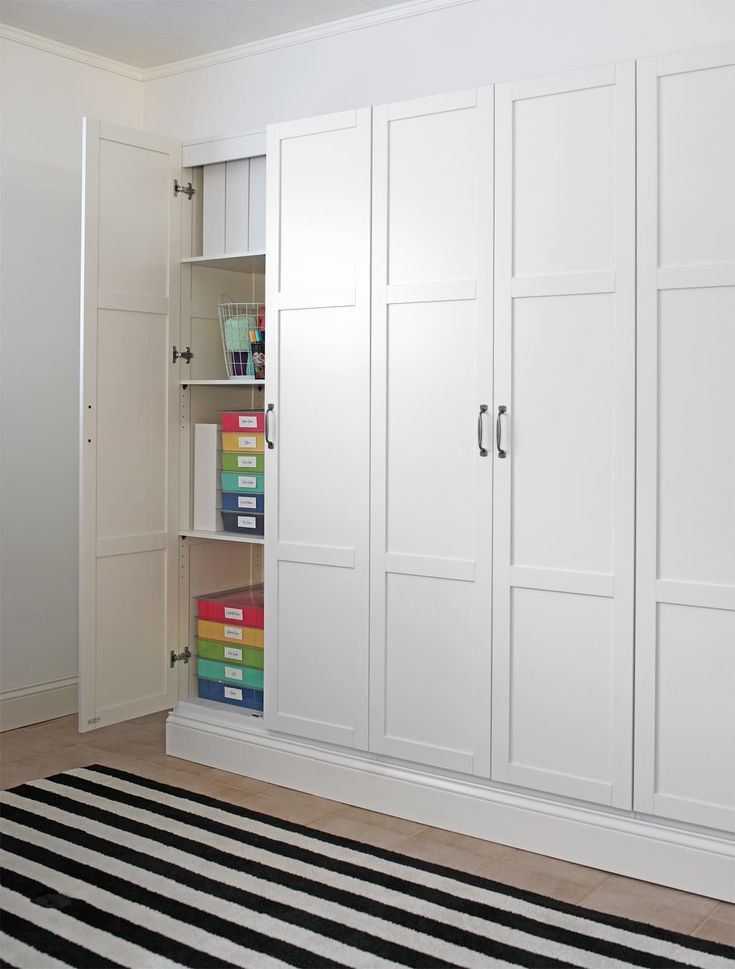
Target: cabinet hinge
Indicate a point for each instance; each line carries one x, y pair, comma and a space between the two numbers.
187, 189
184, 355
178, 657
94, 720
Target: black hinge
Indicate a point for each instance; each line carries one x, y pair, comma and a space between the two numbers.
184, 355
175, 658
187, 189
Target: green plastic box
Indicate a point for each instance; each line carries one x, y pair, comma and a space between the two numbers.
244, 463
231, 674
245, 481
236, 655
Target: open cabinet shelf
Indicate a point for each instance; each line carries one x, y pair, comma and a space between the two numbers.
220, 536
232, 382
240, 262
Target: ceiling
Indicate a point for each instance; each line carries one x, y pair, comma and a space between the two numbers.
147, 33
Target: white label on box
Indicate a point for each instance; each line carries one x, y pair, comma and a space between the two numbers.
248, 421
246, 442
243, 481
245, 501
232, 693
245, 521
246, 461
232, 613
233, 632
233, 673
232, 652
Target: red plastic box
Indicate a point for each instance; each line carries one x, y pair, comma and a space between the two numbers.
243, 420
240, 607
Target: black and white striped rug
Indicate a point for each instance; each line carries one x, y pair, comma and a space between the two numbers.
103, 868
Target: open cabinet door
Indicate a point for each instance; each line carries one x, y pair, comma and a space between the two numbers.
129, 445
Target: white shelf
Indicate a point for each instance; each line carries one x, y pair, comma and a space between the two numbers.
221, 536
240, 262
234, 382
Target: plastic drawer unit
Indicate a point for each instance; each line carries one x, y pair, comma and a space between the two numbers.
241, 461
244, 523
242, 441
243, 606
246, 676
234, 501
238, 696
231, 481
224, 653
230, 633
242, 420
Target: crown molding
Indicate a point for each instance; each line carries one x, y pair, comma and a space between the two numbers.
382, 15
28, 39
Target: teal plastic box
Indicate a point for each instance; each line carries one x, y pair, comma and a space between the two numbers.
232, 674
243, 482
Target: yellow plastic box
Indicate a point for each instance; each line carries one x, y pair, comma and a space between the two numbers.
229, 633
243, 441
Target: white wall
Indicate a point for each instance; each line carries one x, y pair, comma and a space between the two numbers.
44, 98
479, 42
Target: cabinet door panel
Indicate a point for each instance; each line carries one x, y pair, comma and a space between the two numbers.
318, 474
563, 496
685, 596
431, 487
129, 442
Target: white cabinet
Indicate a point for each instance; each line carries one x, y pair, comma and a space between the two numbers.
685, 629
431, 482
318, 473
565, 412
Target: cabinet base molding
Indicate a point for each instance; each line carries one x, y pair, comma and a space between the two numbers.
638, 848
35, 704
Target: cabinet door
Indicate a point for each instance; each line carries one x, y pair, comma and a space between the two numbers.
318, 473
564, 492
431, 483
128, 469
685, 603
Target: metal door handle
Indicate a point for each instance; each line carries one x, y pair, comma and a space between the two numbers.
499, 432
483, 450
269, 411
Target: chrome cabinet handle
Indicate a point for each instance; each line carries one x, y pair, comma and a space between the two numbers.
499, 432
483, 450
269, 411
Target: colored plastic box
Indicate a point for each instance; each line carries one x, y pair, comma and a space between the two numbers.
231, 481
240, 461
235, 695
233, 501
242, 420
242, 441
228, 673
224, 653
244, 523
243, 606
229, 633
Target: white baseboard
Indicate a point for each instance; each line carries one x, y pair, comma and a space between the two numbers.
614, 842
34, 704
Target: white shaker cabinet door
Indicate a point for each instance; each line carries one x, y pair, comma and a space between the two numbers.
685, 628
431, 479
565, 412
129, 431
318, 385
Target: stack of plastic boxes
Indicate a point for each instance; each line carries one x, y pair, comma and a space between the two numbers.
242, 475
230, 647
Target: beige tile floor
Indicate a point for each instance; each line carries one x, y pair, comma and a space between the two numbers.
138, 746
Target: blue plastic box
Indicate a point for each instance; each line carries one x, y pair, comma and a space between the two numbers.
236, 696
236, 501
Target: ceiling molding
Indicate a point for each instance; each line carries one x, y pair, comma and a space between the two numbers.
381, 15
25, 37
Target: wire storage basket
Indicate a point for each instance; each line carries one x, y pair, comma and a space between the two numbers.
242, 326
